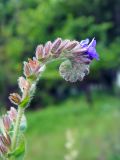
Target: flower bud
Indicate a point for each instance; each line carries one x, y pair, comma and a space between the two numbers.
6, 122
12, 114
6, 140
39, 52
23, 83
63, 44
36, 68
27, 70
3, 149
15, 98
71, 45
56, 44
77, 50
61, 48
34, 64
47, 48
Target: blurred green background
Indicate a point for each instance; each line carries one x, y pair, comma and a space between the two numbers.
90, 110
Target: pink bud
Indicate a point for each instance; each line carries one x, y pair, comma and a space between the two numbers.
71, 45
39, 52
79, 50
64, 44
61, 47
23, 83
12, 113
34, 64
6, 122
6, 140
56, 44
15, 98
47, 48
3, 149
81, 60
27, 70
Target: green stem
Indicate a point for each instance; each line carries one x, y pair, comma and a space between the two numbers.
17, 127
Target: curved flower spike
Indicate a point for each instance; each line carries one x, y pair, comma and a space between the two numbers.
77, 56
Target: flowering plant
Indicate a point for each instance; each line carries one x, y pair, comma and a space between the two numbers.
77, 57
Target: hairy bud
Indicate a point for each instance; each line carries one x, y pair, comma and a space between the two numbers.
47, 48
15, 98
56, 45
27, 70
34, 65
39, 52
71, 45
12, 113
23, 83
61, 48
6, 122
3, 149
6, 140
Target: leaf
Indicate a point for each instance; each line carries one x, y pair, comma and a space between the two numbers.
19, 153
24, 103
32, 78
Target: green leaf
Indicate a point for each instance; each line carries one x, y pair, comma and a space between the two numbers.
32, 78
24, 103
19, 153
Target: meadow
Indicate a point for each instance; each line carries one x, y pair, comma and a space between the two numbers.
96, 129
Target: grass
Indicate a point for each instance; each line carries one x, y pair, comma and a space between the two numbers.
96, 130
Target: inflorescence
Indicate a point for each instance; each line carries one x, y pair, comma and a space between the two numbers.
76, 57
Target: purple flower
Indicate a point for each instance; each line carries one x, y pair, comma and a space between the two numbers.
90, 48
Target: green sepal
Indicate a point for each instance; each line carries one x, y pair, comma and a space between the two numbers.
25, 102
32, 78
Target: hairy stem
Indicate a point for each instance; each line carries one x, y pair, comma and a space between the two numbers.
17, 127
